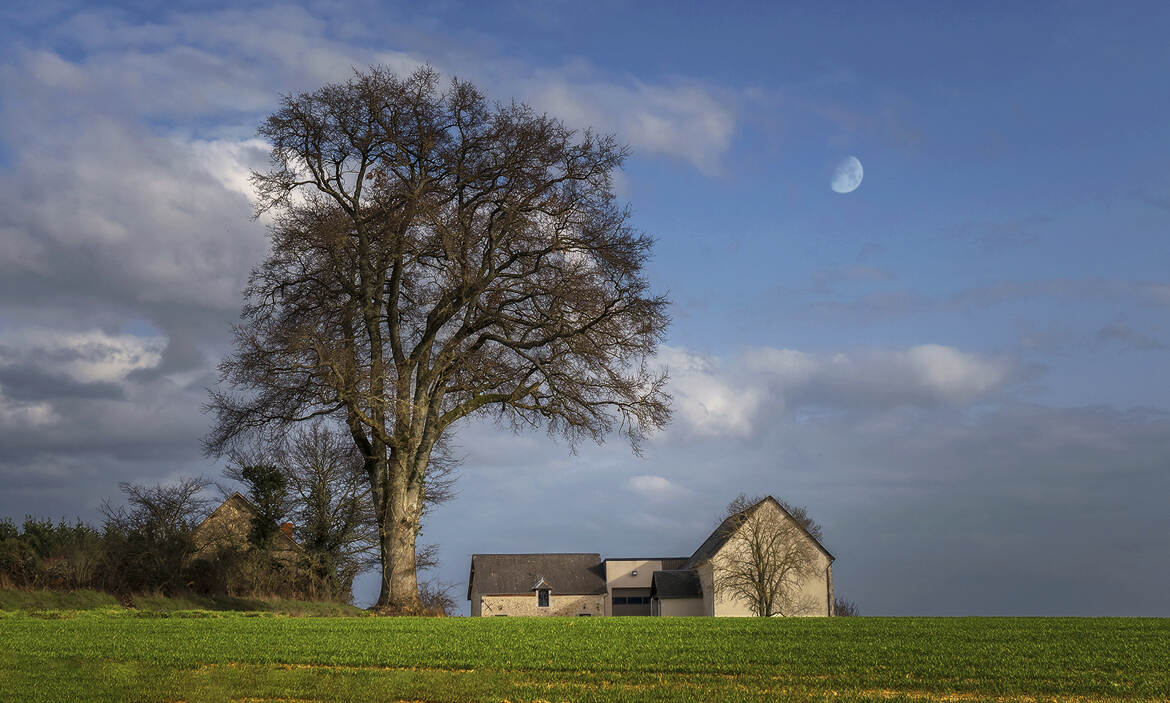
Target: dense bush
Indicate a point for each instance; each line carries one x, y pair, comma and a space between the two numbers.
148, 546
41, 554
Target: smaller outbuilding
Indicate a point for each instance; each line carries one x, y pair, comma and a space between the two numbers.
536, 584
676, 592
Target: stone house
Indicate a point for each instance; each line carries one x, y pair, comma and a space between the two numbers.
584, 584
228, 526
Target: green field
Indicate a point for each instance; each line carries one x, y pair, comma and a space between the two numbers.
204, 656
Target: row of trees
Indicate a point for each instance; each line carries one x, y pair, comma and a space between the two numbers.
311, 477
144, 545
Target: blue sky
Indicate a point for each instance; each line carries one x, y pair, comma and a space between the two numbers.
957, 367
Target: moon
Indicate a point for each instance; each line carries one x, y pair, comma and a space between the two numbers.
847, 176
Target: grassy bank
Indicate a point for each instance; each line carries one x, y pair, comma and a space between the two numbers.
131, 656
17, 600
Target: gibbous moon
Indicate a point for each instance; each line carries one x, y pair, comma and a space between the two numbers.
847, 176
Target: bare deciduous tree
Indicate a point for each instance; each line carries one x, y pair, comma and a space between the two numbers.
332, 513
767, 556
845, 608
161, 510
325, 492
149, 540
798, 512
434, 256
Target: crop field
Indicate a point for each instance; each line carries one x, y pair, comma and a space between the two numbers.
200, 656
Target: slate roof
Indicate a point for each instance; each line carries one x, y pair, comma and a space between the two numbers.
676, 583
719, 537
517, 574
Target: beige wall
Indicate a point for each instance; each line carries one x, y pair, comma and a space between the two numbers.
813, 593
679, 607
525, 605
619, 574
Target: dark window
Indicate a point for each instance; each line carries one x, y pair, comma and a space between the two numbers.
619, 600
584, 615
542, 598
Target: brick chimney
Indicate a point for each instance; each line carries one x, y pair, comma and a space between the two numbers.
286, 528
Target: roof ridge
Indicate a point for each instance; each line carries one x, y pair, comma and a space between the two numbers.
534, 554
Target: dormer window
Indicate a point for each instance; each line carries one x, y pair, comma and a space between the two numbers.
542, 598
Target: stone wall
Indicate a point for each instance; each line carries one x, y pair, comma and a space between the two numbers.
525, 605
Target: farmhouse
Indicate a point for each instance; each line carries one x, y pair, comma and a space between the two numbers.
585, 584
228, 526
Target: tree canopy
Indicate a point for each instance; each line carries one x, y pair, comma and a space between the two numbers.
435, 255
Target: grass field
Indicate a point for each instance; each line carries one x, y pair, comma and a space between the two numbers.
205, 656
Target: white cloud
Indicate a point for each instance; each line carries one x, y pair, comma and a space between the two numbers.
925, 374
233, 64
685, 121
655, 488
230, 162
86, 356
724, 397
1160, 292
709, 400
16, 415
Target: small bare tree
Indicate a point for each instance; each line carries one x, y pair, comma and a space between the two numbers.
149, 540
766, 558
436, 255
845, 608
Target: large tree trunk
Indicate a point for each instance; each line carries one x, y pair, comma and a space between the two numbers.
399, 588
399, 513
399, 576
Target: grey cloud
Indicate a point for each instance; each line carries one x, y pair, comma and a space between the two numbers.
996, 235
730, 397
874, 305
159, 419
1127, 336
28, 382
829, 280
821, 301
1159, 201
